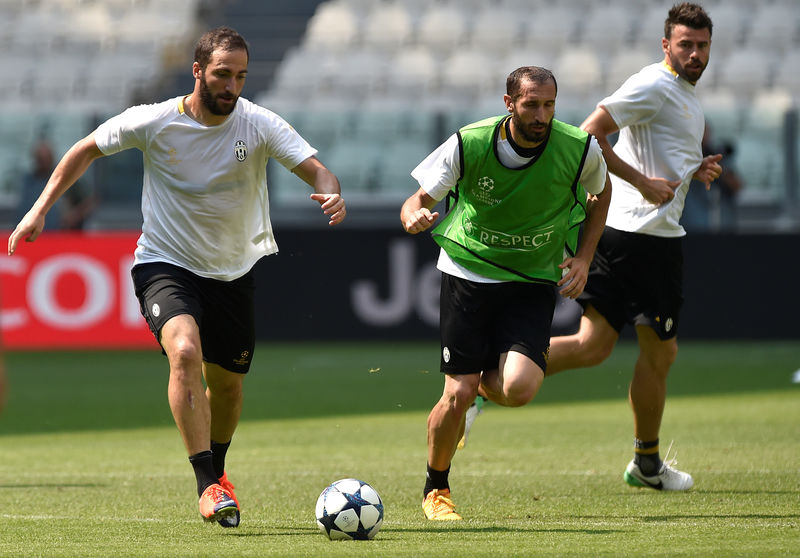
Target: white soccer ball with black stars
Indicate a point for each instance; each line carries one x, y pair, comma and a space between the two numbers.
349, 509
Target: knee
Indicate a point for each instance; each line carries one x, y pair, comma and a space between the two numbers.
521, 393
595, 351
184, 357
459, 399
230, 390
663, 359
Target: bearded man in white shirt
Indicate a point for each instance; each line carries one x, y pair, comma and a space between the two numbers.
206, 223
636, 276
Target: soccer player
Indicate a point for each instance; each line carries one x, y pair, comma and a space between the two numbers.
205, 224
523, 182
636, 277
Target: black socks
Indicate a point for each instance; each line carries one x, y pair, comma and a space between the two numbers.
219, 450
203, 465
646, 456
209, 466
436, 480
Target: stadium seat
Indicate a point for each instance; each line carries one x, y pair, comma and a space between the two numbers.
761, 167
787, 75
626, 63
358, 74
607, 28
648, 31
579, 73
327, 125
387, 27
525, 57
170, 26
442, 27
774, 27
17, 134
381, 123
729, 28
395, 165
413, 75
302, 75
723, 112
467, 75
355, 163
574, 110
766, 115
56, 76
744, 71
37, 30
333, 26
285, 188
496, 30
550, 27
92, 22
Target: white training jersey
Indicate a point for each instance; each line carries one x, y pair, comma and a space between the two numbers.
439, 172
661, 127
204, 197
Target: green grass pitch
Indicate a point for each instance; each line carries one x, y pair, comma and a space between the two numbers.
92, 464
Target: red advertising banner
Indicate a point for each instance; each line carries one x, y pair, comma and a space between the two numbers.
71, 290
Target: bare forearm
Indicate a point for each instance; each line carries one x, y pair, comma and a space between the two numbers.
325, 182
619, 167
596, 213
317, 175
416, 214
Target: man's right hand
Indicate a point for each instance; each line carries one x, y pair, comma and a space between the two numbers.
658, 190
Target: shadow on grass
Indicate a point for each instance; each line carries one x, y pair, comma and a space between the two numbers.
670, 518
458, 527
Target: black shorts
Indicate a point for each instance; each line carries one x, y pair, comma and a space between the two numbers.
480, 321
223, 310
637, 279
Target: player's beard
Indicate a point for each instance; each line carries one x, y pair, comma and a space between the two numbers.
527, 132
209, 100
690, 74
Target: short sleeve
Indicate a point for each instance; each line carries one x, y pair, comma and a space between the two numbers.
284, 143
593, 175
439, 172
126, 130
637, 100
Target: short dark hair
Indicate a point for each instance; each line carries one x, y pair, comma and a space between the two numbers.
224, 38
535, 74
690, 15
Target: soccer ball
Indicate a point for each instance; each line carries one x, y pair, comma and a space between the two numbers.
349, 509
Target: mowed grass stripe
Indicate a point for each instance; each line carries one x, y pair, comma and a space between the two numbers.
543, 480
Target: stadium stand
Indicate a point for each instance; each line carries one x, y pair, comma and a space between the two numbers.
377, 84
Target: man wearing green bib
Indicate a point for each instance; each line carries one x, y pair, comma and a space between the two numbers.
523, 185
